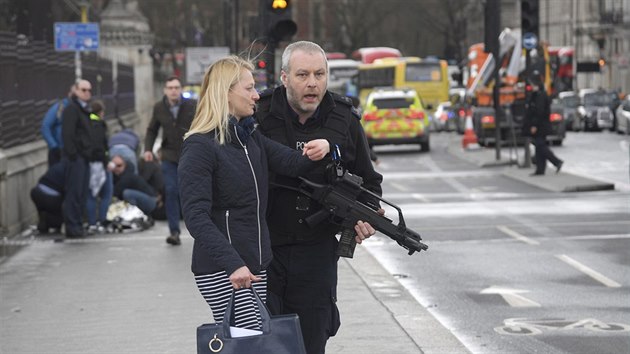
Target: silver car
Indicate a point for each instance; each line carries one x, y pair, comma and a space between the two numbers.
569, 101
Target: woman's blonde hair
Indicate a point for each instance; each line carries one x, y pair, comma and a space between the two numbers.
213, 110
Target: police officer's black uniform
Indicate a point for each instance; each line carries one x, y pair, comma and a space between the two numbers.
537, 115
303, 273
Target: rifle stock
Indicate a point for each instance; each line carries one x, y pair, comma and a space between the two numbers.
340, 205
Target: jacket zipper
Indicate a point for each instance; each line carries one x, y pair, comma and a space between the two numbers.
227, 225
251, 167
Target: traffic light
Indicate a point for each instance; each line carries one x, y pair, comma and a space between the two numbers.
601, 62
529, 17
279, 6
492, 26
277, 20
261, 64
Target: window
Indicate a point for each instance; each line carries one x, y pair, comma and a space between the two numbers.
393, 103
423, 72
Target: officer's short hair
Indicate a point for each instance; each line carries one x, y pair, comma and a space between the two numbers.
305, 46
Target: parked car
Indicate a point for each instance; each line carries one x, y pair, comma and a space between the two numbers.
558, 126
623, 116
395, 116
445, 118
594, 111
569, 101
461, 107
613, 102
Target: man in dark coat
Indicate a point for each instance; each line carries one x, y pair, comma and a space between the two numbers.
538, 126
173, 114
303, 272
78, 147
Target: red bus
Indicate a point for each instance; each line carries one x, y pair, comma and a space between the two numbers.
367, 55
561, 62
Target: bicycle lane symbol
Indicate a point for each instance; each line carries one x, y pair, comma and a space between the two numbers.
530, 327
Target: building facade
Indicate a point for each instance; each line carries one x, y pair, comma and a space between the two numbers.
596, 29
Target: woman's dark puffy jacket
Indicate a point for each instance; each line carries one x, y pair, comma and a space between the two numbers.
223, 191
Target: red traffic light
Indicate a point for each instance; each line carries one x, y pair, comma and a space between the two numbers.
261, 64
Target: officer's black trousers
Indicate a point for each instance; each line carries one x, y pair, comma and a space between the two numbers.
543, 153
302, 279
76, 186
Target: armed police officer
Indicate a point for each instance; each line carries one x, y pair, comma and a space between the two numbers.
538, 126
303, 273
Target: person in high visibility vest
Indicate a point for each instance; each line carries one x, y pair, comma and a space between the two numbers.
101, 181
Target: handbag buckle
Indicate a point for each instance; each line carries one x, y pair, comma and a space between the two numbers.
220, 344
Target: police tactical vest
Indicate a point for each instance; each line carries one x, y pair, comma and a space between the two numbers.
287, 207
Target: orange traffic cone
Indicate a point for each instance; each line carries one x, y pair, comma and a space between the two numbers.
469, 141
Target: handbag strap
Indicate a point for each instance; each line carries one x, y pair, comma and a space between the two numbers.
262, 308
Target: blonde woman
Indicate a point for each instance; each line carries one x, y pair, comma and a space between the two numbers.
223, 181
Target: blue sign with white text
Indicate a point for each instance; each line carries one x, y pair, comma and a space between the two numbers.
76, 36
530, 41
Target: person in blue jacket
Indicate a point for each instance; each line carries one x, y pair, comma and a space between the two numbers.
223, 185
51, 128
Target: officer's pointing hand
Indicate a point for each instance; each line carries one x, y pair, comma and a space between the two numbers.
316, 149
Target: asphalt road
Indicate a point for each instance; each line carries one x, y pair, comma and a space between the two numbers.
513, 268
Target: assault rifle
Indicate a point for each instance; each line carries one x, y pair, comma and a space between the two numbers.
340, 206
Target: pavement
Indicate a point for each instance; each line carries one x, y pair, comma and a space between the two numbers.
133, 293
511, 162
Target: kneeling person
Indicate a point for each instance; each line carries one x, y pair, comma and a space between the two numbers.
48, 197
130, 187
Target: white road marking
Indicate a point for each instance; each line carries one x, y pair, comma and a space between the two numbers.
598, 237
511, 296
388, 176
470, 195
420, 197
399, 186
489, 208
517, 236
588, 271
379, 239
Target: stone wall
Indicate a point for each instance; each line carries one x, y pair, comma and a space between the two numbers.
20, 169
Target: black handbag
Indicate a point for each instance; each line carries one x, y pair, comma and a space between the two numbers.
280, 334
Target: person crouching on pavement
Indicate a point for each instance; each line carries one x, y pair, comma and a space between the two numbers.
130, 187
223, 176
48, 197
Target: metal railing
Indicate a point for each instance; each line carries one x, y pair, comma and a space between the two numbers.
33, 76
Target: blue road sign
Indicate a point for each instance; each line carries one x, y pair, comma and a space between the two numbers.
530, 41
74, 36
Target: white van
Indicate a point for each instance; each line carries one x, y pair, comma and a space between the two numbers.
342, 74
